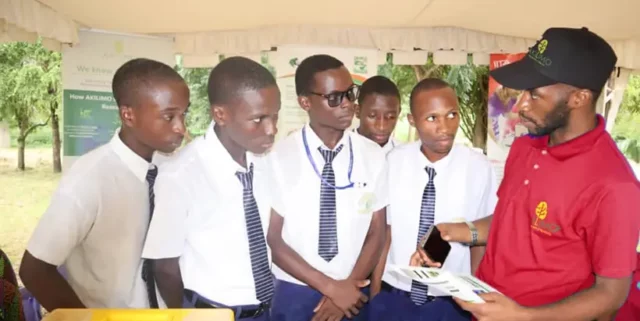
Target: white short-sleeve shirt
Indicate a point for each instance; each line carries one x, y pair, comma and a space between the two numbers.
95, 226
297, 197
199, 217
466, 188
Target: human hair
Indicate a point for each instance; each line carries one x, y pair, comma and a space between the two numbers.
234, 76
139, 74
379, 85
309, 67
427, 84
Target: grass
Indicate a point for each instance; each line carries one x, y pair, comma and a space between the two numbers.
24, 197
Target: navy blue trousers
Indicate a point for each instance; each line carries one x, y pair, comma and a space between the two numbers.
293, 302
397, 306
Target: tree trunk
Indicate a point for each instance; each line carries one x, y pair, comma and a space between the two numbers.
21, 145
479, 135
55, 131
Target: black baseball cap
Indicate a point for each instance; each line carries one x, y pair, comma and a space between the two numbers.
576, 57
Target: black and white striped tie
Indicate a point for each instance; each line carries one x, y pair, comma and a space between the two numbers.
147, 265
427, 216
328, 236
260, 266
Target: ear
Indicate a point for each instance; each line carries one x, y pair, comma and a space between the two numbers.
219, 114
304, 102
582, 97
127, 116
411, 120
357, 110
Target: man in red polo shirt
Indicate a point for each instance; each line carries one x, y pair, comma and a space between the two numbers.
562, 243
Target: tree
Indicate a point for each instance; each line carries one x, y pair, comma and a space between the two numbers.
471, 84
199, 116
49, 62
22, 91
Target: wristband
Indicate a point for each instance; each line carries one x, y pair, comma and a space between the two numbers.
474, 233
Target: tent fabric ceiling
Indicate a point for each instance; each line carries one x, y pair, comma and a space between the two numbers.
205, 27
25, 20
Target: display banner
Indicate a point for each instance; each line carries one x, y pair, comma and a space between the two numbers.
90, 114
503, 122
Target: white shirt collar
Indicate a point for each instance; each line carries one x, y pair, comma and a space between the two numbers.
221, 156
441, 165
138, 165
314, 141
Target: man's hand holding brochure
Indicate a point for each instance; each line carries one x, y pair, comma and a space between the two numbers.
463, 287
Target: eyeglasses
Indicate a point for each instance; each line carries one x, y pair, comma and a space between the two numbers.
334, 99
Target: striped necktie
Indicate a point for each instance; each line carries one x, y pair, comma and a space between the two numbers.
260, 266
147, 265
328, 236
427, 215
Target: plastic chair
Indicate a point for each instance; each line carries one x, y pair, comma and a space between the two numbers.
140, 315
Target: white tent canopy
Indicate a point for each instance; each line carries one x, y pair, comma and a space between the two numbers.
205, 27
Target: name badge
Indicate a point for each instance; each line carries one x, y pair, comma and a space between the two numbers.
365, 204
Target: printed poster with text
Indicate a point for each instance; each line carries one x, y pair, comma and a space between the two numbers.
503, 121
90, 113
362, 63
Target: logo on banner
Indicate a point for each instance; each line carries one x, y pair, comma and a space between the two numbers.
118, 47
360, 65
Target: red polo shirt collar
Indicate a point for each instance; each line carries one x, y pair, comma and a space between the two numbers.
573, 147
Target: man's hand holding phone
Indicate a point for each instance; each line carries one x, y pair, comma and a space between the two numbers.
436, 243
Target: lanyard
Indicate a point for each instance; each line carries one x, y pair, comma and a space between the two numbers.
315, 168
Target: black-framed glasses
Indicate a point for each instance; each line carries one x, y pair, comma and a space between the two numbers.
334, 99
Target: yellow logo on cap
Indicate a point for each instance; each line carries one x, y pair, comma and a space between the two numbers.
542, 46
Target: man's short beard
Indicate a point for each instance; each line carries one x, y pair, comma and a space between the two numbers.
556, 119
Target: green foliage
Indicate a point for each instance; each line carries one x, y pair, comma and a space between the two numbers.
199, 116
626, 131
469, 81
30, 84
20, 89
631, 100
39, 137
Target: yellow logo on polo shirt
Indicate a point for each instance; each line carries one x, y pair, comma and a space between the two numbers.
539, 224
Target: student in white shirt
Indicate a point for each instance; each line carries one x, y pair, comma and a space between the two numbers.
430, 181
378, 109
96, 223
328, 213
208, 232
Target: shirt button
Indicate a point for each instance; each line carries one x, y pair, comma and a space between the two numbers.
526, 182
536, 166
544, 152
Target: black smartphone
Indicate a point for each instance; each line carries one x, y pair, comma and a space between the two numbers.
436, 248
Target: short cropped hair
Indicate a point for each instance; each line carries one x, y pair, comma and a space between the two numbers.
379, 85
137, 75
309, 67
427, 84
234, 76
